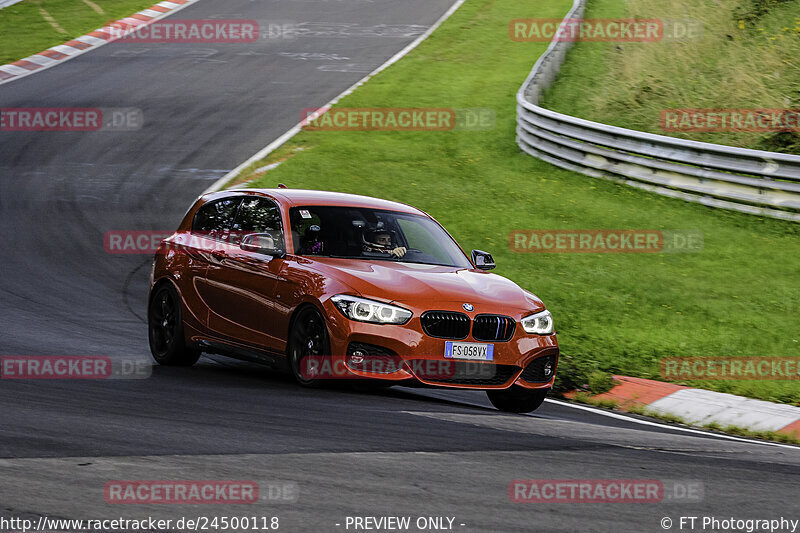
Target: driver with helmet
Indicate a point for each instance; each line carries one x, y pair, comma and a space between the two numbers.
380, 241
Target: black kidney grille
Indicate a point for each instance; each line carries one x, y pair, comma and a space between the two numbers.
445, 324
493, 328
534, 372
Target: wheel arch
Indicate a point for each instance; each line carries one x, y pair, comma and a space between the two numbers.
166, 280
308, 304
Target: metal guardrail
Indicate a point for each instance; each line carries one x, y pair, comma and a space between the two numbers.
739, 179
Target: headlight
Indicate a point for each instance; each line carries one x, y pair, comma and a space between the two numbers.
539, 323
364, 310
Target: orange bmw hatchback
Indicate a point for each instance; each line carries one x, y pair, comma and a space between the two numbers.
338, 286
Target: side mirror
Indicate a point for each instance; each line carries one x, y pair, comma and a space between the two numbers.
482, 260
261, 243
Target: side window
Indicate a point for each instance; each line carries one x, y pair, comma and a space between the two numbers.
215, 219
306, 241
259, 215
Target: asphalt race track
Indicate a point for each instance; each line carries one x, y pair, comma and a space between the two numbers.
343, 452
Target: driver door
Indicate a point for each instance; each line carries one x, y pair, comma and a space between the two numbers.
244, 283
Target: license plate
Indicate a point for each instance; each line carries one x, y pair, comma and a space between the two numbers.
469, 350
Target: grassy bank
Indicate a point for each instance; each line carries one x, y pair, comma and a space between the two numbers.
619, 312
35, 25
748, 56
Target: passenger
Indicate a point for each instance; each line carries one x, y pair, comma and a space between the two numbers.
313, 242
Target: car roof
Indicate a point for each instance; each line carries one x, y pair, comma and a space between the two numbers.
303, 197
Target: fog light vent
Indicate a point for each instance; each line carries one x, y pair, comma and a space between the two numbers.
371, 358
540, 370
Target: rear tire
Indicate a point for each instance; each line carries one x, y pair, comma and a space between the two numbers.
516, 399
308, 338
165, 328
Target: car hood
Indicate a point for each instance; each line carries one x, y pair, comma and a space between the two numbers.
415, 283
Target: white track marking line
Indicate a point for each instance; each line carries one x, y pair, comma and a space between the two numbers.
665, 426
217, 185
7, 3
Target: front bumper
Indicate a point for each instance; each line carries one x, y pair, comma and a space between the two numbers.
405, 352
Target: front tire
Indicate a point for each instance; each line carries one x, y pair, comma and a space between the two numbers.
308, 339
165, 328
516, 399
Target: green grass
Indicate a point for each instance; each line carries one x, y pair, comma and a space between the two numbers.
620, 313
584, 397
23, 30
748, 57
643, 410
788, 438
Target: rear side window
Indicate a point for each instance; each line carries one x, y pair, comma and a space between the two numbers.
215, 219
259, 215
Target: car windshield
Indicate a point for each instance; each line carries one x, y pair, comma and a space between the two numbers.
372, 234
